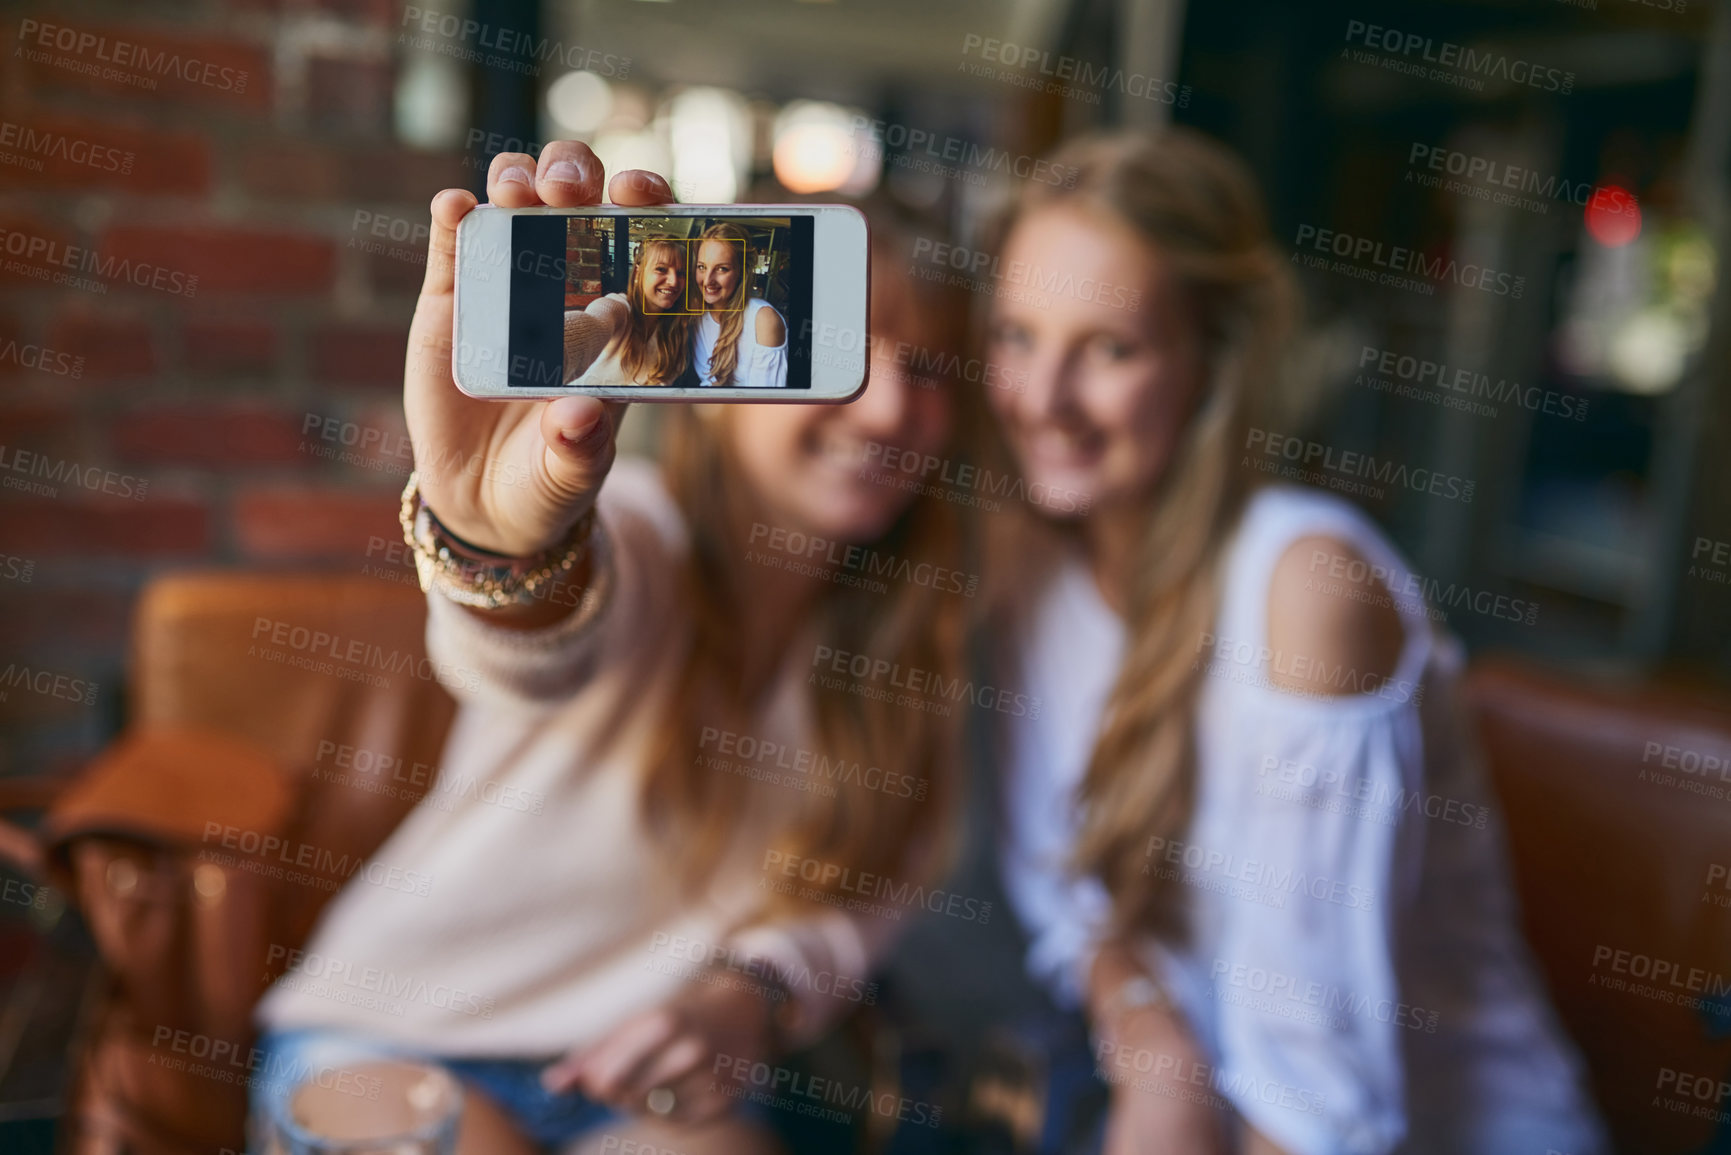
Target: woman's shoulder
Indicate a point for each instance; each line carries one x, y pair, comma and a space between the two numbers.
1312, 575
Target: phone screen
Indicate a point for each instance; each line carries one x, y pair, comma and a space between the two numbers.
648, 300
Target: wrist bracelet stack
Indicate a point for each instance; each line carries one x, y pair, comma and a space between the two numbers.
478, 577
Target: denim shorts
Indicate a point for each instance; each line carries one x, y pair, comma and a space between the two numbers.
287, 1058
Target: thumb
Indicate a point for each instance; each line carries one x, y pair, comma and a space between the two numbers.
578, 432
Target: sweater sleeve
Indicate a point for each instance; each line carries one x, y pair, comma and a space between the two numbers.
629, 604
589, 331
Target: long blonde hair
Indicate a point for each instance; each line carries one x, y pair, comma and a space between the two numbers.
1197, 206
657, 345
904, 838
724, 358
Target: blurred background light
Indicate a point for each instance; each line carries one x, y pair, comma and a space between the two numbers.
1613, 216
709, 135
817, 151
580, 102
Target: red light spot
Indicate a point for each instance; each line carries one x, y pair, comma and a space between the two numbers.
1613, 216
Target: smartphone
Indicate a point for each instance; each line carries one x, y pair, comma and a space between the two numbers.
666, 303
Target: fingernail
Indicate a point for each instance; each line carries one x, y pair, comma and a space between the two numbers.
576, 436
564, 170
518, 174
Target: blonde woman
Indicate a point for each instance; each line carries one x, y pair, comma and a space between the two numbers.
639, 337
614, 955
1245, 833
740, 341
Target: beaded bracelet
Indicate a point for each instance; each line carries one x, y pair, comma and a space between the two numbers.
479, 577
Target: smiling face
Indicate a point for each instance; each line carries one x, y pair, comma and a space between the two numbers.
1109, 388
663, 275
718, 271
819, 468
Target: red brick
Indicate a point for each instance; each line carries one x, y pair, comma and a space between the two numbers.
303, 523
145, 65
228, 346
350, 96
390, 273
297, 171
366, 11
205, 436
34, 618
228, 260
156, 526
41, 429
114, 346
41, 251
359, 355
78, 153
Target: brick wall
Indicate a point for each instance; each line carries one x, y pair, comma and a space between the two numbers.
583, 241
206, 273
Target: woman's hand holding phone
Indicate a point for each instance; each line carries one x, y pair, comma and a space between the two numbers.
509, 476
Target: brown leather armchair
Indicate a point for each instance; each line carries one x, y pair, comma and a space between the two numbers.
236, 715
1615, 844
245, 690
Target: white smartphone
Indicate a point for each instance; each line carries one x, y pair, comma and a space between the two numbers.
665, 303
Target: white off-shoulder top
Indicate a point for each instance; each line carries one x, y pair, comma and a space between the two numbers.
1354, 969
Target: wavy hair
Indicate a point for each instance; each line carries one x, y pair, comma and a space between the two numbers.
656, 345
1197, 206
724, 359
